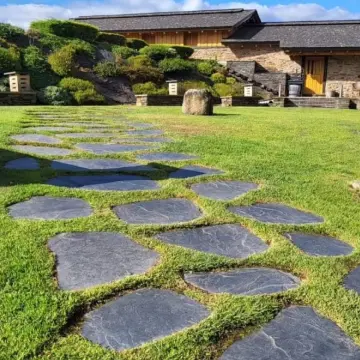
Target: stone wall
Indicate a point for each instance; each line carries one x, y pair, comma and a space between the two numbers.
246, 68
12, 98
272, 81
227, 101
216, 53
343, 71
318, 102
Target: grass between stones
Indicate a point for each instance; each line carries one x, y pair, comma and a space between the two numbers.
300, 157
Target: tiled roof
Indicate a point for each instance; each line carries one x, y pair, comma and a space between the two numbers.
301, 35
171, 20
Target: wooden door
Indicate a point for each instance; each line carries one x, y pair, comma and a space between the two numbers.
314, 75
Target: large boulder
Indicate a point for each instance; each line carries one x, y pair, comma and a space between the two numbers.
198, 102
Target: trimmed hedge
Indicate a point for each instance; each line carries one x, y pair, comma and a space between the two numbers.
229, 90
218, 78
88, 97
149, 88
10, 32
107, 69
124, 52
111, 38
53, 95
207, 67
158, 52
63, 60
67, 29
74, 84
187, 85
136, 44
184, 52
176, 65
142, 74
140, 61
9, 59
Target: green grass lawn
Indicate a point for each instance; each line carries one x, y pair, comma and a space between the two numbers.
301, 157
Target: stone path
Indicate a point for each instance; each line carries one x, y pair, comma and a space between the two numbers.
89, 259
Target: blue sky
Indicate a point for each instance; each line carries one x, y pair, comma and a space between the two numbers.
22, 12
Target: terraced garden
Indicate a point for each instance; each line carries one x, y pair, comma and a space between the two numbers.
132, 233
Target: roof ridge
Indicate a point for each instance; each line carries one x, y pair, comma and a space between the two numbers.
309, 22
196, 12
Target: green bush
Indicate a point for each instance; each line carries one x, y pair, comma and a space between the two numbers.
140, 61
136, 44
88, 97
73, 84
4, 84
176, 65
63, 60
10, 32
53, 95
187, 85
207, 67
111, 38
184, 52
124, 52
230, 80
106, 69
158, 52
67, 29
218, 78
229, 90
142, 74
9, 59
4, 43
82, 47
149, 88
52, 42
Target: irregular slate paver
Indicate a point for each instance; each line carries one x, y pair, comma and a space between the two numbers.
105, 182
85, 135
155, 140
50, 208
141, 317
25, 163
193, 171
317, 245
167, 211
276, 214
101, 149
84, 124
43, 150
166, 157
49, 128
252, 281
144, 132
352, 281
81, 165
229, 240
35, 138
223, 190
297, 333
139, 125
88, 259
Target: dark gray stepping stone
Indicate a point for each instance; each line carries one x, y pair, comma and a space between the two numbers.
105, 182
50, 208
352, 281
155, 140
49, 128
229, 240
168, 211
100, 149
297, 333
166, 157
145, 132
34, 138
140, 125
85, 124
276, 214
193, 171
85, 135
95, 258
223, 190
253, 281
42, 150
25, 163
141, 317
81, 165
317, 245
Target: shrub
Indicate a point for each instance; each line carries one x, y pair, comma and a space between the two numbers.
158, 52
149, 88
136, 44
4, 43
123, 51
88, 97
176, 65
63, 60
207, 67
106, 69
140, 60
229, 90
111, 38
67, 29
218, 78
230, 80
82, 47
53, 95
4, 84
184, 52
10, 32
9, 59
73, 84
142, 74
187, 85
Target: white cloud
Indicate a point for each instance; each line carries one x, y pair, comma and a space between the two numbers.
23, 14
